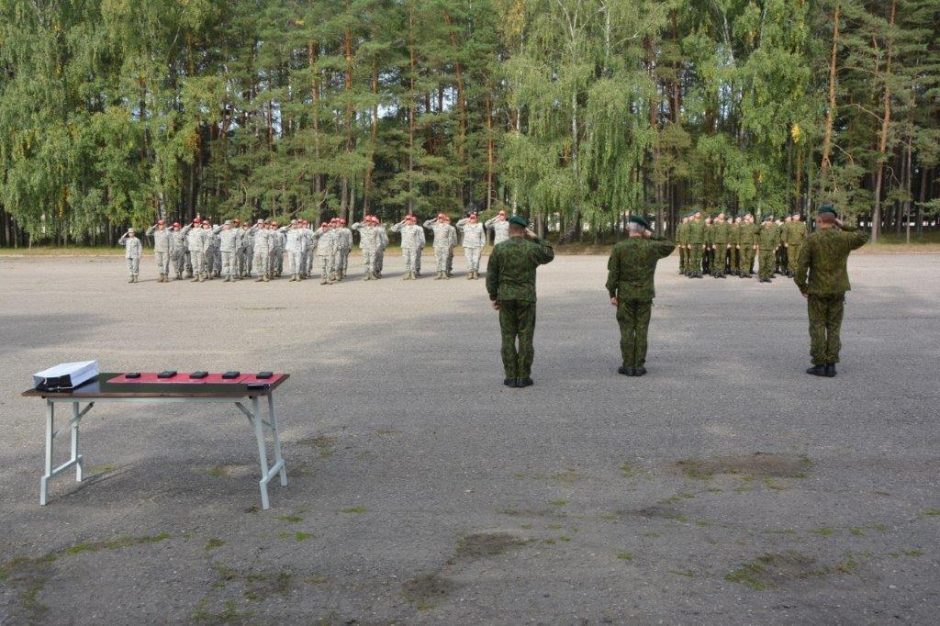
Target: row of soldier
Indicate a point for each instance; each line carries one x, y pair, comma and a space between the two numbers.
719, 246
235, 250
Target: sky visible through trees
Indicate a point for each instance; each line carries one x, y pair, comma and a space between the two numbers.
573, 112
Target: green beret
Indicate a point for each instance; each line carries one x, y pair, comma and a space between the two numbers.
636, 219
518, 220
826, 208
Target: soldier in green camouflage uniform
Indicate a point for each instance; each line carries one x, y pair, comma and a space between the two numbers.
768, 240
510, 282
696, 245
822, 276
796, 236
630, 273
734, 251
747, 239
707, 251
682, 240
720, 241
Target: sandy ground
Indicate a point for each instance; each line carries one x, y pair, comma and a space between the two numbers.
725, 487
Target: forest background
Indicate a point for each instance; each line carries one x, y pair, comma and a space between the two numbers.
114, 113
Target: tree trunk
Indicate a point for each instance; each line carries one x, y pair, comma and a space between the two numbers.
883, 135
312, 56
825, 163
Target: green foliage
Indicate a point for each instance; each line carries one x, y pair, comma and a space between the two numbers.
114, 112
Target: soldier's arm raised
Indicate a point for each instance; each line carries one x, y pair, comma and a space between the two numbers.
857, 239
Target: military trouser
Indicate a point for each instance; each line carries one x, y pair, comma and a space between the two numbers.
417, 262
735, 260
379, 260
781, 259
440, 256
197, 259
277, 262
683, 260
217, 263
793, 255
517, 321
450, 261
767, 260
304, 263
634, 319
368, 260
177, 261
228, 264
294, 266
208, 262
473, 258
410, 256
188, 261
163, 262
825, 326
343, 260
695, 257
260, 263
133, 265
747, 261
326, 266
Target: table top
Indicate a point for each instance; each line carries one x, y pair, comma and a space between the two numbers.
101, 388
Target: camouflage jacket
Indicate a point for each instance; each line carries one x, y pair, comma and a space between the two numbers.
747, 235
721, 234
696, 232
682, 234
768, 238
795, 233
821, 269
510, 273
632, 266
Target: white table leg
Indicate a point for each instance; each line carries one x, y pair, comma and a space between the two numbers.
262, 453
278, 459
76, 457
50, 435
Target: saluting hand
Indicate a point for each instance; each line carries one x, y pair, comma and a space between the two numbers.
496, 304
615, 301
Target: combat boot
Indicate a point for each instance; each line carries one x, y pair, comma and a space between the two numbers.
817, 370
439, 276
324, 282
470, 275
179, 275
130, 278
446, 275
266, 279
260, 279
831, 370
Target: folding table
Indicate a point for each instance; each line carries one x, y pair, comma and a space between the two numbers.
148, 388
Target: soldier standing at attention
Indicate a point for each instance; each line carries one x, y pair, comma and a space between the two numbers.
781, 256
510, 282
195, 240
228, 246
682, 240
132, 249
720, 235
178, 248
734, 249
696, 245
474, 238
344, 241
747, 240
500, 227
822, 277
161, 249
768, 240
325, 243
383, 244
796, 235
630, 273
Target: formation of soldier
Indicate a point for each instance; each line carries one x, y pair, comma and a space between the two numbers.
720, 246
236, 250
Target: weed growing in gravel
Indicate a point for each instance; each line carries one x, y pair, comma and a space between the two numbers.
355, 510
213, 543
625, 556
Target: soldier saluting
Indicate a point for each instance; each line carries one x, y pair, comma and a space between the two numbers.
510, 282
822, 276
630, 273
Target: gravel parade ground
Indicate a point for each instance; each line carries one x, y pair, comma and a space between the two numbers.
725, 487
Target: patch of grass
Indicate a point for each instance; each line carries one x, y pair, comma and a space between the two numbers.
302, 536
316, 579
652, 535
554, 526
747, 467
228, 615
95, 470
932, 512
770, 483
549, 541
625, 556
882, 528
564, 538
291, 519
422, 591
857, 532
323, 443
213, 543
481, 545
259, 586
823, 531
914, 552
570, 475
355, 510
687, 573
627, 470
558, 503
525, 526
220, 471
769, 571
